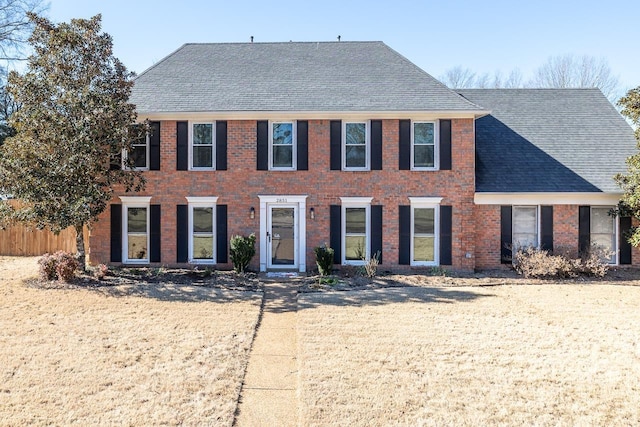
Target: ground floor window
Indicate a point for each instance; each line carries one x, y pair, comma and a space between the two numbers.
356, 229
525, 227
425, 225
603, 232
202, 220
135, 229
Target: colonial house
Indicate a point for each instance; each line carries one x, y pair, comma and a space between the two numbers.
349, 144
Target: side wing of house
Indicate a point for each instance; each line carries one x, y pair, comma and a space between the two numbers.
545, 161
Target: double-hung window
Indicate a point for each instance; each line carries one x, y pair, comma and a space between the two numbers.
138, 154
424, 147
202, 146
356, 229
603, 230
202, 220
425, 230
136, 229
282, 153
525, 227
355, 145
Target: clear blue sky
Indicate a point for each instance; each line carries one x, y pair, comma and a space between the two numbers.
485, 36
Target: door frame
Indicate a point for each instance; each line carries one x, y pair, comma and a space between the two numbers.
299, 203
270, 207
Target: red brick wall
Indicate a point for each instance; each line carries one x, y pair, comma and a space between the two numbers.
239, 186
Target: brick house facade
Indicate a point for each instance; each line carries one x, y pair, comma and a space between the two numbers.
379, 160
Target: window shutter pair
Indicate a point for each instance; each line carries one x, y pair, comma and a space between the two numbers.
335, 231
444, 148
506, 233
182, 234
182, 146
155, 233
302, 148
404, 228
335, 145
584, 234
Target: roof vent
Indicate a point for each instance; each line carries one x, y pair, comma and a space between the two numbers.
251, 39
339, 37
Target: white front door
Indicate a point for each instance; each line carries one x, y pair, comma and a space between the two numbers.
282, 236
283, 233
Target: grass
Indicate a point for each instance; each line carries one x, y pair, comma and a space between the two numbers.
508, 355
82, 356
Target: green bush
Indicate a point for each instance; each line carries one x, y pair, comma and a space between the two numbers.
324, 259
243, 249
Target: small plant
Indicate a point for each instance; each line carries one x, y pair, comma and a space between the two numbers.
324, 259
327, 281
437, 271
47, 267
242, 250
61, 265
537, 263
596, 261
371, 265
100, 271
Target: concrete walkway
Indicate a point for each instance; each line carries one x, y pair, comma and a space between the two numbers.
269, 395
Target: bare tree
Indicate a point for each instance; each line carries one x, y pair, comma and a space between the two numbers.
458, 77
567, 71
15, 27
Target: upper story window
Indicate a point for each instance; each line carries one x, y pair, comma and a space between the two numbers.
201, 146
139, 152
424, 147
355, 142
525, 227
282, 152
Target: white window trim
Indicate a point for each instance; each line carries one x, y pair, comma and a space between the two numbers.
616, 224
134, 202
427, 203
355, 202
125, 156
213, 145
202, 202
436, 145
294, 150
367, 144
538, 225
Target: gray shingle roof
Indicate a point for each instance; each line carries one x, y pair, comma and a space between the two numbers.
549, 140
324, 76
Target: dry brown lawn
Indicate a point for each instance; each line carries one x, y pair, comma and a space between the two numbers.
87, 357
505, 355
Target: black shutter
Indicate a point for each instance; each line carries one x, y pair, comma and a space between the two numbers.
404, 229
506, 242
154, 146
182, 146
335, 232
262, 136
584, 229
116, 233
546, 228
445, 144
221, 145
625, 246
446, 226
376, 145
336, 145
303, 145
222, 238
182, 233
404, 138
376, 231
155, 237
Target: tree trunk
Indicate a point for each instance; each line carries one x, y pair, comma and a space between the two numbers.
80, 255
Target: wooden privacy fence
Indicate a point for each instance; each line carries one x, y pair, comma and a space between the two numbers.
18, 240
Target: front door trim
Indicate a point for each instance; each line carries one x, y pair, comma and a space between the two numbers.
298, 202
